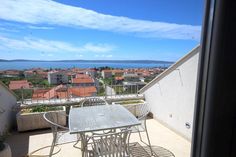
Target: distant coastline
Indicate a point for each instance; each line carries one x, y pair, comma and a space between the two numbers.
66, 64
92, 61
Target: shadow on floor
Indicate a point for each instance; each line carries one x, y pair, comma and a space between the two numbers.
19, 142
144, 151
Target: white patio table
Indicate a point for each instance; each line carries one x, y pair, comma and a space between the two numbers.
95, 118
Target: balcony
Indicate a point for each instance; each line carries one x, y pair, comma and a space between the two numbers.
171, 97
164, 141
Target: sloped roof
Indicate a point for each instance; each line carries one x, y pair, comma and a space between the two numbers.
19, 84
85, 91
82, 80
118, 71
82, 76
170, 69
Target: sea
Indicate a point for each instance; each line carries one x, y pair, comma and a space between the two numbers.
21, 65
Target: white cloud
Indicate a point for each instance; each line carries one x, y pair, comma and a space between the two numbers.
39, 27
54, 13
11, 27
98, 47
50, 46
3, 29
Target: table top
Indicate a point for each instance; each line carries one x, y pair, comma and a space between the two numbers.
95, 118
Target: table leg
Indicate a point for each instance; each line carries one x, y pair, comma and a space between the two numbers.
83, 144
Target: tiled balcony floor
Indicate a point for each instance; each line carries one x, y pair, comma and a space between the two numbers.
161, 137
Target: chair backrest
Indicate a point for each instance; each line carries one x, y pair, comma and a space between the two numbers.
52, 119
93, 102
142, 111
112, 144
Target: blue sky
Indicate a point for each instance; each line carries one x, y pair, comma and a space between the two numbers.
99, 29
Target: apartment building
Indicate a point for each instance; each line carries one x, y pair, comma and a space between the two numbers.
83, 80
107, 74
56, 77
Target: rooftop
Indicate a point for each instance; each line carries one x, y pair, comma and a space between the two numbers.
82, 80
19, 84
85, 91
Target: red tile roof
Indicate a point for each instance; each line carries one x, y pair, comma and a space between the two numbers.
12, 72
46, 93
19, 84
82, 76
83, 91
40, 94
82, 80
63, 92
118, 71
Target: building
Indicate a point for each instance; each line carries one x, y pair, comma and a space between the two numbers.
132, 82
107, 74
19, 84
29, 73
11, 73
62, 92
119, 79
39, 94
131, 78
82, 75
56, 77
118, 73
55, 92
83, 80
42, 74
91, 72
82, 91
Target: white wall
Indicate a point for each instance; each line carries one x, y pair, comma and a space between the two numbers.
7, 115
172, 97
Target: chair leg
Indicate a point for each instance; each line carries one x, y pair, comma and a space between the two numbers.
149, 142
78, 139
53, 145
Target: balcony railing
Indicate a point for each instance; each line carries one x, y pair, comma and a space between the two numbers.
68, 93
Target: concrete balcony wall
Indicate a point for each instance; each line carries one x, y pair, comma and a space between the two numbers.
7, 114
172, 94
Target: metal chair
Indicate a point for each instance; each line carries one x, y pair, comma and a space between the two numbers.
60, 133
93, 102
110, 144
141, 114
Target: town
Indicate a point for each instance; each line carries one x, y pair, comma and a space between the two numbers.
45, 84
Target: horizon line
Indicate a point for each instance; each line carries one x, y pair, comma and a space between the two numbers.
86, 60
